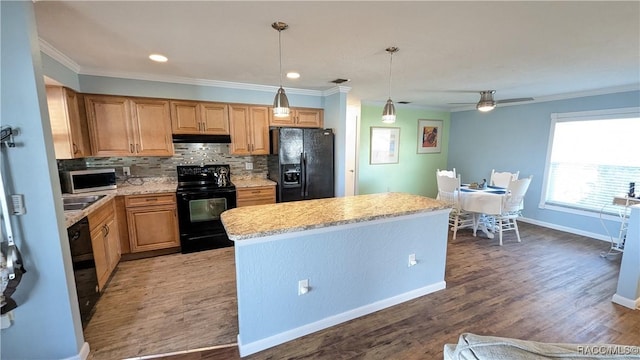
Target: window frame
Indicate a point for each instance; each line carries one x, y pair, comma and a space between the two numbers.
607, 114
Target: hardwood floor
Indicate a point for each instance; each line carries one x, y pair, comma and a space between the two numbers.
552, 287
166, 304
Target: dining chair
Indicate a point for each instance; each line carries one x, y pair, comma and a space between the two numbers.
449, 173
448, 191
512, 205
502, 179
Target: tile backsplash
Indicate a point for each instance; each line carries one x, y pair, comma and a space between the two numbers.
185, 154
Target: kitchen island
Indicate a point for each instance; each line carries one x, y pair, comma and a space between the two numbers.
307, 265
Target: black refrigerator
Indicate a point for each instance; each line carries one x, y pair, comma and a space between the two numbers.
301, 162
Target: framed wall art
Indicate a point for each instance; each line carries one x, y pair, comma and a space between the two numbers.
385, 142
429, 136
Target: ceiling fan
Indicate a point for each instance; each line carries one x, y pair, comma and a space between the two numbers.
487, 103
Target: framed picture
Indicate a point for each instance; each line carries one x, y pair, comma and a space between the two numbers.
385, 143
429, 136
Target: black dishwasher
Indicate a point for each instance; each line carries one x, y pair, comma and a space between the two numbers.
84, 268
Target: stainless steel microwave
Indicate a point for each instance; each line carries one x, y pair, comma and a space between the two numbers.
79, 181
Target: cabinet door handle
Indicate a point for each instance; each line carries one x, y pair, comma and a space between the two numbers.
75, 148
131, 148
151, 199
137, 148
108, 230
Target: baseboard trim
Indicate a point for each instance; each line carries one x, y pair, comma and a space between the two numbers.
630, 303
271, 341
566, 229
82, 355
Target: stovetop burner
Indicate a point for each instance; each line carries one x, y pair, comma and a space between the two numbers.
205, 176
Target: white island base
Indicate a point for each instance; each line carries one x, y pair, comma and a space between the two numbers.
352, 269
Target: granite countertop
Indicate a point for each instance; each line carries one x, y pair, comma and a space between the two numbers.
272, 219
141, 186
134, 186
252, 182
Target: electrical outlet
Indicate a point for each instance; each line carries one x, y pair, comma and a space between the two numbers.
248, 166
412, 260
126, 171
303, 286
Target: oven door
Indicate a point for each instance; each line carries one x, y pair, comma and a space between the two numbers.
199, 218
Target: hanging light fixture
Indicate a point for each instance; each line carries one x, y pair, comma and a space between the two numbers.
389, 112
486, 102
280, 103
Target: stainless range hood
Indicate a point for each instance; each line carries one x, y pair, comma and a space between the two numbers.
199, 138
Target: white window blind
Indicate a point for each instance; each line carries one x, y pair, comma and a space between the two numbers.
592, 157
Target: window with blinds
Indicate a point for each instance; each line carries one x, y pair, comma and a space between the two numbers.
592, 157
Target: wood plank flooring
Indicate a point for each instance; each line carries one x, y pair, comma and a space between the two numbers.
552, 287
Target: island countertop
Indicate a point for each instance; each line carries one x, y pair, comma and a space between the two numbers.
272, 219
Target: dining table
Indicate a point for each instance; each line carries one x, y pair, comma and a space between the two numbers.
482, 203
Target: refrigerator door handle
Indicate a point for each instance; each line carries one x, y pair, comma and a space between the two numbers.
306, 177
303, 174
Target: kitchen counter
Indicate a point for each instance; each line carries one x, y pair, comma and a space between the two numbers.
252, 182
304, 266
141, 186
135, 186
258, 221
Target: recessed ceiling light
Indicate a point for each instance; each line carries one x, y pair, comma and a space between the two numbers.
293, 75
158, 58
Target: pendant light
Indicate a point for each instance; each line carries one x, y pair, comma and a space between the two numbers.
280, 103
389, 112
486, 102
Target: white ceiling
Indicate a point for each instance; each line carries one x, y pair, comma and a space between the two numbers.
535, 49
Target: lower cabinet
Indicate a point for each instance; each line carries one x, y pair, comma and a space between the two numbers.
105, 241
152, 221
258, 195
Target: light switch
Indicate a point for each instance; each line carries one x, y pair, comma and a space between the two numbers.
303, 286
248, 166
412, 260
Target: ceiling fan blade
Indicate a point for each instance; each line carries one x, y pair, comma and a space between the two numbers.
467, 103
504, 101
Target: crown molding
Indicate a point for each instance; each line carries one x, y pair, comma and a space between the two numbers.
199, 82
596, 92
336, 90
58, 56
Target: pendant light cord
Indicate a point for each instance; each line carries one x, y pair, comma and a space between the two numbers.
390, 64
280, 52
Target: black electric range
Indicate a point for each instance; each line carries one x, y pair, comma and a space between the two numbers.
203, 193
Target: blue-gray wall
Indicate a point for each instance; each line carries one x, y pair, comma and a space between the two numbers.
47, 322
515, 138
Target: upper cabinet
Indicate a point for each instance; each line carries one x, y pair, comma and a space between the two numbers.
191, 117
123, 126
249, 129
299, 117
68, 123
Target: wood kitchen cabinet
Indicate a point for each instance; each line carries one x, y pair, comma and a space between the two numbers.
105, 241
123, 126
249, 130
192, 117
258, 195
68, 123
153, 221
299, 117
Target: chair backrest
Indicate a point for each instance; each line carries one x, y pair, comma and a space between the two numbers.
502, 179
448, 189
515, 195
449, 173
